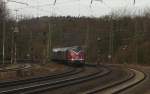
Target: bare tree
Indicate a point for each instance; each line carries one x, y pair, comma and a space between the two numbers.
1, 10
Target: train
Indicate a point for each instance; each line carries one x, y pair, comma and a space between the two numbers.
69, 55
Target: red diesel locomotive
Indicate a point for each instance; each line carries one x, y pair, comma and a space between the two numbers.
71, 55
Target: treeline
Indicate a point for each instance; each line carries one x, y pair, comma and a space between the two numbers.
113, 38
6, 25
110, 38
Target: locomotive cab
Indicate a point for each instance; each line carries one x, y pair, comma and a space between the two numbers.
76, 56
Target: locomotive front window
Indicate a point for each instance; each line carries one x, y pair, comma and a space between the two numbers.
77, 49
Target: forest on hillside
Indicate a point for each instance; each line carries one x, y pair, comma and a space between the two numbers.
124, 39
112, 38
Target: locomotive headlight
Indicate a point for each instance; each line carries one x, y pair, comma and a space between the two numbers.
72, 59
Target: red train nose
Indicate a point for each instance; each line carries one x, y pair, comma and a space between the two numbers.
72, 55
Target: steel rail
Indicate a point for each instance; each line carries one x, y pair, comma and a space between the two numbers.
141, 77
135, 77
56, 84
70, 82
98, 89
69, 71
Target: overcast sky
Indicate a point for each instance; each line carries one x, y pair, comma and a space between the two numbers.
73, 7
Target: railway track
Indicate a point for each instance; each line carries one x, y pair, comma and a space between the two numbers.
75, 77
36, 79
66, 81
133, 78
7, 87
